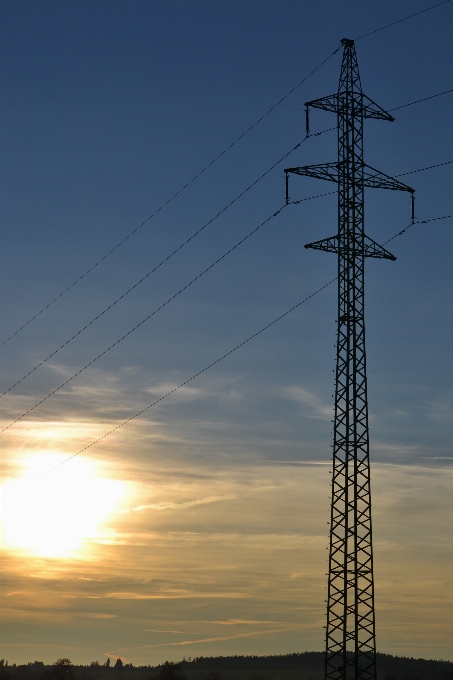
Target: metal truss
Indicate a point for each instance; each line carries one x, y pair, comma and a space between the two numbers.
350, 629
370, 177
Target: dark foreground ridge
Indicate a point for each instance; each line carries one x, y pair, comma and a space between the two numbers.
305, 666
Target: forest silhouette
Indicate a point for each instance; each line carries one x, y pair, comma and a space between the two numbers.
304, 666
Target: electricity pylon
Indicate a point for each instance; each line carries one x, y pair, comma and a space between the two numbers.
350, 629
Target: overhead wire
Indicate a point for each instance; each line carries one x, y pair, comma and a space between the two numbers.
411, 16
414, 223
182, 245
185, 287
429, 167
224, 356
418, 101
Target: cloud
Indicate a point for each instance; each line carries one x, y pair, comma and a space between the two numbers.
309, 399
172, 594
246, 622
232, 564
88, 615
237, 636
441, 411
170, 505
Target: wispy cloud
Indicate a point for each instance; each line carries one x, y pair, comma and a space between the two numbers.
171, 505
94, 615
441, 411
316, 407
254, 544
237, 636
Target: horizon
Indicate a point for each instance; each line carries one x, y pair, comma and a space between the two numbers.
194, 660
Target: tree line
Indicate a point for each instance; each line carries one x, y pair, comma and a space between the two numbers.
304, 666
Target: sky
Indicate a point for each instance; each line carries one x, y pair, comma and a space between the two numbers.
200, 527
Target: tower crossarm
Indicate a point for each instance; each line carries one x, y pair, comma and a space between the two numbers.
336, 103
371, 178
367, 248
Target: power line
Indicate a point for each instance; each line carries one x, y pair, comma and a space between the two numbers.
196, 233
430, 167
195, 177
433, 96
411, 16
187, 241
224, 356
412, 224
184, 244
181, 290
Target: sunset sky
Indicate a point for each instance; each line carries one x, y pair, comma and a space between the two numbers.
200, 527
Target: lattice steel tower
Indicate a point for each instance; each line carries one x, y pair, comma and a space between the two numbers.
350, 629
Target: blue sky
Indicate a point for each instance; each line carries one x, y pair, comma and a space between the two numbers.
108, 109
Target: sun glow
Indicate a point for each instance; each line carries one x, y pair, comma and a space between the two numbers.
57, 511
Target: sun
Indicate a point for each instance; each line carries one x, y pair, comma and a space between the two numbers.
55, 508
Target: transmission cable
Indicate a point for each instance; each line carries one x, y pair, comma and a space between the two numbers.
224, 356
433, 96
245, 238
168, 301
412, 224
196, 233
202, 228
430, 167
404, 19
195, 177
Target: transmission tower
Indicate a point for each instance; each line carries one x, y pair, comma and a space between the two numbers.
350, 629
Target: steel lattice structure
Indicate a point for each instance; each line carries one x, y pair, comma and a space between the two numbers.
350, 629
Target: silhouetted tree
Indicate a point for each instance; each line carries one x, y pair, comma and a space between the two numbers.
119, 664
62, 669
171, 671
107, 663
4, 673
